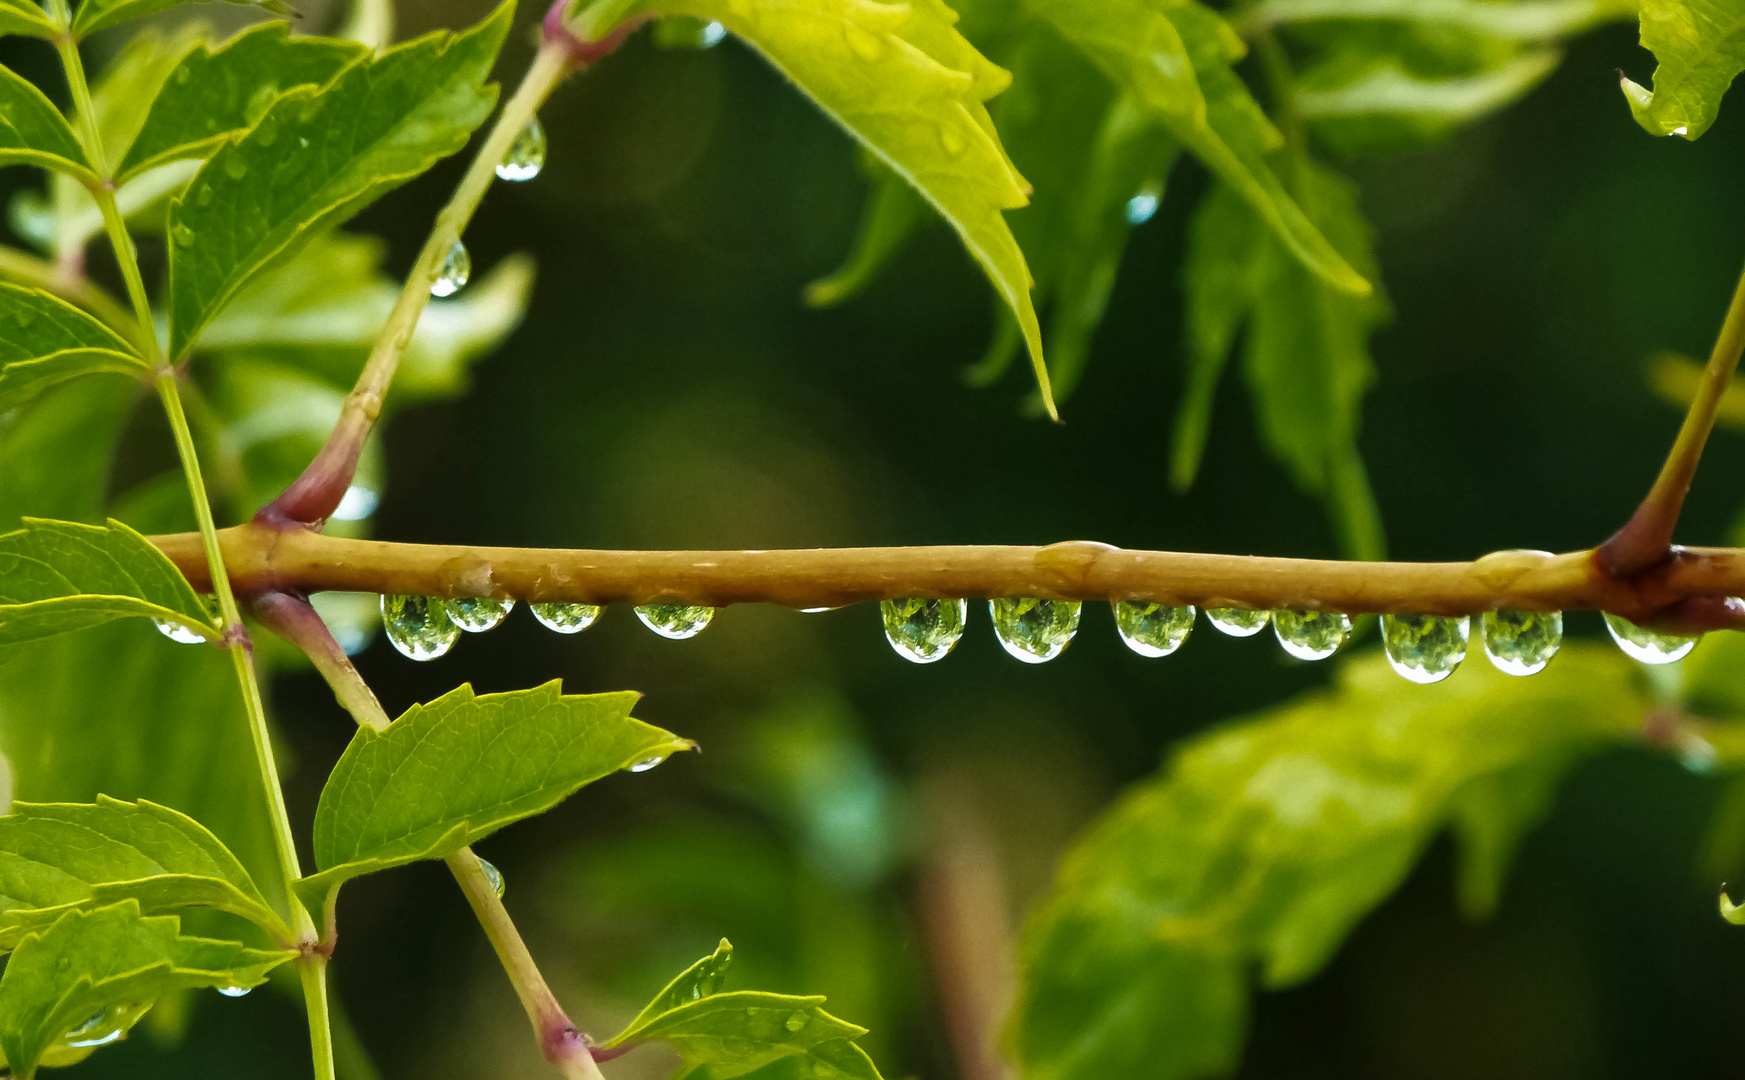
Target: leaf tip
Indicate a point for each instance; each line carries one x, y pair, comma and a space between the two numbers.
1733, 913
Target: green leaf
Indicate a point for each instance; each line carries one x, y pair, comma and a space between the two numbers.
89, 963
33, 131
1700, 46
451, 772
213, 93
1733, 913
47, 341
320, 155
903, 81
1525, 21
892, 211
1412, 106
59, 856
1175, 57
1265, 842
24, 17
57, 576
94, 15
700, 980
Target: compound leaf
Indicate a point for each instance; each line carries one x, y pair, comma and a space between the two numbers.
1700, 46
1264, 842
213, 93
24, 17
33, 131
448, 773
902, 80
94, 15
319, 155
57, 576
58, 856
108, 963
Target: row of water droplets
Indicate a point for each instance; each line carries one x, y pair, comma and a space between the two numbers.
426, 627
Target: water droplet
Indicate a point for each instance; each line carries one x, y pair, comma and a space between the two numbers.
476, 614
1521, 642
951, 139
865, 45
235, 166
183, 235
418, 626
676, 621
795, 1022
1681, 130
1425, 648
1648, 646
526, 155
183, 75
648, 763
924, 630
1034, 630
1152, 629
712, 36
303, 142
178, 633
259, 102
1311, 635
203, 197
1141, 207
456, 268
100, 1029
566, 618
357, 503
267, 132
494, 876
1238, 622
235, 991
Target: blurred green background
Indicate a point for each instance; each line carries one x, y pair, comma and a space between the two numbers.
669, 390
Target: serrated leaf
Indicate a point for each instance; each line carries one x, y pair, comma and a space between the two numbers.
903, 81
892, 211
94, 15
1175, 57
33, 131
1700, 46
451, 772
698, 981
213, 93
1264, 842
45, 341
24, 17
59, 856
318, 156
57, 576
735, 1033
89, 962
1733, 913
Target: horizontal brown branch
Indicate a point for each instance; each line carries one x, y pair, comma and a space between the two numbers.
263, 558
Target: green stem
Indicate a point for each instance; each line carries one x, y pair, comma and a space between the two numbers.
314, 972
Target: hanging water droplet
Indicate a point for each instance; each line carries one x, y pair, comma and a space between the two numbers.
178, 633
235, 166
648, 763
357, 503
494, 876
476, 614
676, 621
1034, 630
924, 630
183, 235
1311, 635
526, 155
566, 618
100, 1029
1521, 642
1153, 629
456, 268
795, 1021
203, 197
712, 35
235, 991
1425, 648
1238, 622
418, 626
1141, 207
1648, 646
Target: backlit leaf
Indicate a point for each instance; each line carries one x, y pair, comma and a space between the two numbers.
57, 576
1524, 21
1263, 843
318, 156
58, 856
700, 980
448, 773
45, 341
24, 17
1700, 45
1415, 107
213, 93
33, 131
94, 15
88, 963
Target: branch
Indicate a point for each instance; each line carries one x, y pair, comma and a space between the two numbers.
1687, 591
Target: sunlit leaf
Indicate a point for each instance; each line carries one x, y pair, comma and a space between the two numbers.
89, 962
57, 576
24, 17
213, 93
58, 856
447, 774
1513, 20
318, 156
1700, 45
45, 341
1263, 843
33, 131
1412, 107
700, 980
94, 15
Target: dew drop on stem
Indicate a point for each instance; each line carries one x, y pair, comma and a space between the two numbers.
1425, 648
566, 618
178, 633
1034, 630
1238, 622
526, 155
1649, 646
476, 614
494, 876
676, 621
1521, 642
456, 268
924, 630
235, 991
419, 626
1152, 629
1311, 635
